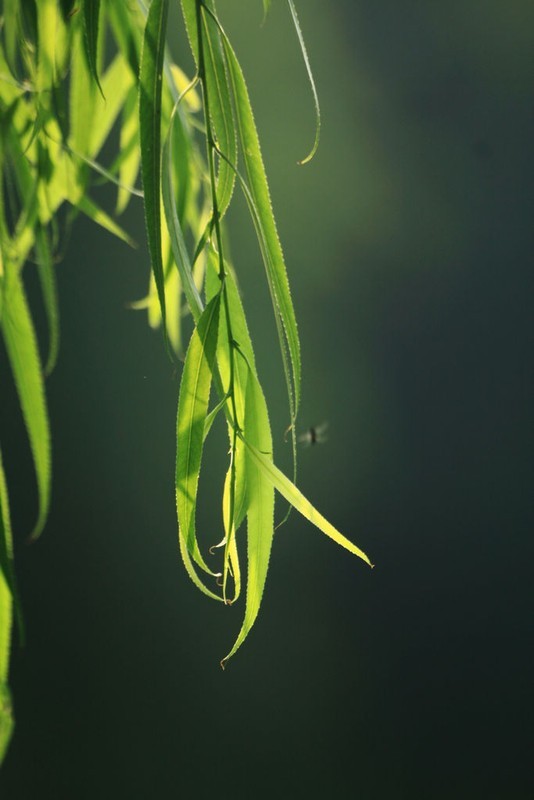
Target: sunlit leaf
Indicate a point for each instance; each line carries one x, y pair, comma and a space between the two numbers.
116, 82
98, 215
150, 84
192, 410
7, 579
312, 83
179, 249
294, 496
257, 194
129, 150
47, 277
52, 45
260, 511
6, 720
21, 346
83, 92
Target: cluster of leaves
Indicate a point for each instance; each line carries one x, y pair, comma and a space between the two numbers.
61, 95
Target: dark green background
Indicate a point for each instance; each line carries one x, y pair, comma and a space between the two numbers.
409, 242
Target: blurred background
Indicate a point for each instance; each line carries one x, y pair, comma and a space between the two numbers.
409, 243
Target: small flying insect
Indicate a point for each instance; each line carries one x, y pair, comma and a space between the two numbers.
314, 435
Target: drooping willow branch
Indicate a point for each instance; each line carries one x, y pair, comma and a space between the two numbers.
58, 107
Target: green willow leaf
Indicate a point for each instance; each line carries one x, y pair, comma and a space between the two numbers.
52, 45
82, 100
7, 579
294, 496
312, 83
179, 249
218, 92
254, 494
116, 83
260, 510
150, 86
129, 150
12, 35
193, 403
127, 22
91, 22
98, 215
234, 509
21, 346
267, 233
47, 277
220, 109
7, 722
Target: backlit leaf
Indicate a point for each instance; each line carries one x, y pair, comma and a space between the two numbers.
21, 346
192, 410
294, 496
150, 90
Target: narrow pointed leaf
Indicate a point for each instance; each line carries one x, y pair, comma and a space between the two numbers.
7, 722
192, 410
7, 579
260, 510
47, 277
150, 85
21, 346
91, 22
98, 215
294, 496
116, 83
218, 92
82, 100
127, 23
312, 83
267, 233
129, 149
178, 245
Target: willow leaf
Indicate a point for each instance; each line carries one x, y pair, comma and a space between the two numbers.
6, 720
7, 579
234, 509
21, 346
260, 510
127, 22
116, 82
211, 417
91, 21
193, 402
129, 149
217, 90
220, 109
294, 496
12, 35
94, 212
82, 101
312, 83
178, 245
51, 45
150, 85
267, 233
47, 277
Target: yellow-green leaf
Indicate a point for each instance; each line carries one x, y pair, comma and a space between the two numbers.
192, 410
294, 496
21, 346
